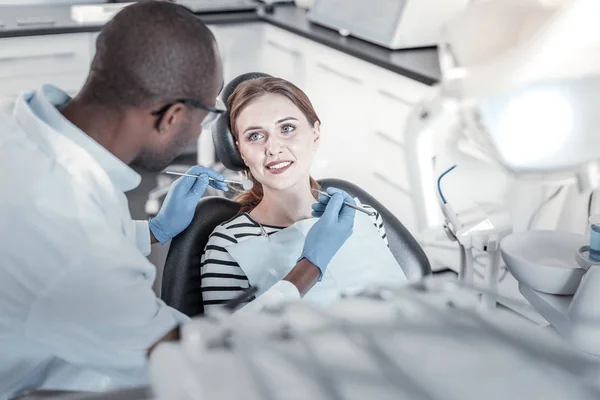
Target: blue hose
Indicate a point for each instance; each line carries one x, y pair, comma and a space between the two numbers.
440, 180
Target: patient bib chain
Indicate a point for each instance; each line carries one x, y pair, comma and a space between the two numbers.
263, 231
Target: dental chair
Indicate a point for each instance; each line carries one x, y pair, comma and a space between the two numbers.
181, 281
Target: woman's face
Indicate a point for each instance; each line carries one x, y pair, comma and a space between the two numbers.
276, 141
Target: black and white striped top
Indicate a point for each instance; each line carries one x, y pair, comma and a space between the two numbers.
222, 278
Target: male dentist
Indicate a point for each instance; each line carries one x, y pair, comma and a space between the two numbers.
77, 310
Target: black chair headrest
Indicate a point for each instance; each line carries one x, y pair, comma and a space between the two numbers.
221, 131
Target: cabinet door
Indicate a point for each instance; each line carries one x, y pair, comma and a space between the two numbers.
240, 48
341, 101
390, 113
40, 55
28, 62
70, 82
388, 179
93, 37
282, 56
386, 145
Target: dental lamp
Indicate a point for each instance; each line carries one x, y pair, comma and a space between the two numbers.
525, 90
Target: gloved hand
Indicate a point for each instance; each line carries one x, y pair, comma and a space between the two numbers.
178, 208
330, 232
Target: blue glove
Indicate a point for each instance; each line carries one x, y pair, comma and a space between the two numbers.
179, 206
331, 231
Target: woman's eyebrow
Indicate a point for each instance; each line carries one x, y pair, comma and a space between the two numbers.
251, 128
286, 119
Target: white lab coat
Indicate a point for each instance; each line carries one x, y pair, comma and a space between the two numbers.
77, 310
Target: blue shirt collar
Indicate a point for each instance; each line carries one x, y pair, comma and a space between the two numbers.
43, 104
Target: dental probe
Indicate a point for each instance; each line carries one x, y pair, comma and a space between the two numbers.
369, 213
247, 185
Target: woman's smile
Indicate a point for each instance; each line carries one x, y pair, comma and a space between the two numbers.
278, 167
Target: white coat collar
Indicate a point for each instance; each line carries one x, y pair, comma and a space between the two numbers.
36, 112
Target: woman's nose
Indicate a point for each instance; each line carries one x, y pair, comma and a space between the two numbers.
273, 146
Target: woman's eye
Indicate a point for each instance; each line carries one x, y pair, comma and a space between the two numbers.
255, 136
288, 128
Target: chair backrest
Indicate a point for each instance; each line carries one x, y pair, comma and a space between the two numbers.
181, 283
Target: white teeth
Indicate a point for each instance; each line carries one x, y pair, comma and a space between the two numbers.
280, 165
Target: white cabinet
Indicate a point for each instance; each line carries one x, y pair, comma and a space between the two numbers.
338, 96
93, 37
282, 55
240, 47
27, 62
69, 82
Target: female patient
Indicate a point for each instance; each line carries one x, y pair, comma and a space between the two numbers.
277, 132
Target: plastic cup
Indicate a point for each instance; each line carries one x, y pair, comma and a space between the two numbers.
594, 221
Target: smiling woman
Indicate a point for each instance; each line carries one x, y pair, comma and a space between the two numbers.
277, 132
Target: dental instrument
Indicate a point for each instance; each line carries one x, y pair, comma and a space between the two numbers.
369, 213
483, 236
378, 344
246, 184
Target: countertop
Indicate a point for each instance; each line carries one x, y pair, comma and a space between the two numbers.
418, 64
55, 19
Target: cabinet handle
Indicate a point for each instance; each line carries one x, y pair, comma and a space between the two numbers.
338, 73
395, 97
390, 139
389, 182
295, 53
35, 21
65, 54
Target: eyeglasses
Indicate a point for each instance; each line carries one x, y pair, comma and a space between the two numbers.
213, 112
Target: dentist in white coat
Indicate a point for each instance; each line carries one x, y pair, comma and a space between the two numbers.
77, 310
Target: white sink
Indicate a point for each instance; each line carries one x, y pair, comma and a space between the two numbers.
545, 261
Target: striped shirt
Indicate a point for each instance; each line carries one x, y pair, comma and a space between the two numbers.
222, 277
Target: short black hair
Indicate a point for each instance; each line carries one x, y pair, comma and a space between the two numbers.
152, 51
